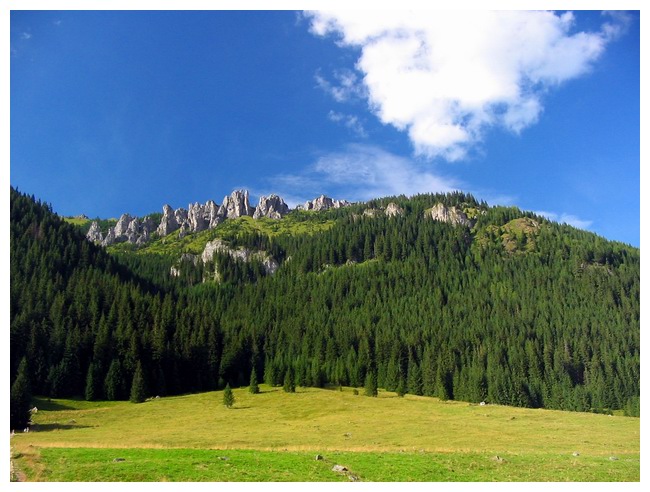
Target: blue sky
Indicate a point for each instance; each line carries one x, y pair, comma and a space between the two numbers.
124, 111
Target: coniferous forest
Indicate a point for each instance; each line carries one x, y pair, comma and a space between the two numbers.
515, 310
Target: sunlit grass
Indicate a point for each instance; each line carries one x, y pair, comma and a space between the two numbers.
406, 432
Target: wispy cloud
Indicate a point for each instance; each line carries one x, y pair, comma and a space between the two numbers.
25, 35
349, 121
347, 85
445, 77
359, 173
565, 218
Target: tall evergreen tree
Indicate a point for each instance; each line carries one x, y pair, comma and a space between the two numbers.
21, 398
370, 386
138, 388
253, 387
228, 397
289, 385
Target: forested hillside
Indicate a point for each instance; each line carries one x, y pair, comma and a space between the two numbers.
511, 309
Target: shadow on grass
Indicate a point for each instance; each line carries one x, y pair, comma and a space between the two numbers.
56, 426
49, 405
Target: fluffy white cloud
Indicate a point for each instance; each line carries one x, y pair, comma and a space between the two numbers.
360, 173
564, 218
444, 76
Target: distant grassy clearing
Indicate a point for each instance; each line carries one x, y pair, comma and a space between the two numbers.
536, 444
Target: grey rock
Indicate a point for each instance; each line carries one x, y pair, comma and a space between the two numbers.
168, 223
122, 225
237, 205
94, 233
339, 469
110, 237
324, 202
393, 210
244, 254
451, 215
272, 207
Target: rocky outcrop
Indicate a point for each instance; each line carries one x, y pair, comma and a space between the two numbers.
168, 223
197, 217
451, 215
236, 205
129, 229
94, 233
323, 202
393, 210
272, 207
244, 254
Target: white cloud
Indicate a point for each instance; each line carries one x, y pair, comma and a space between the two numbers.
444, 77
25, 35
349, 121
565, 218
360, 173
346, 87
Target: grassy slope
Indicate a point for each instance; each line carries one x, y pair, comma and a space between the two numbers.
388, 438
172, 245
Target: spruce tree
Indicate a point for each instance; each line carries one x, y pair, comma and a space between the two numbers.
91, 385
21, 398
138, 390
253, 388
228, 397
289, 382
370, 386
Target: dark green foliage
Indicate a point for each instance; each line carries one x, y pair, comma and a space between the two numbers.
370, 386
138, 387
253, 387
228, 397
508, 312
289, 385
21, 398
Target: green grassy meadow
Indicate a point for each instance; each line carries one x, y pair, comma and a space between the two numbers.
275, 436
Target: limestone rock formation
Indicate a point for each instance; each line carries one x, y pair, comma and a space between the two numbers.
94, 233
168, 223
237, 205
129, 229
451, 215
393, 210
272, 207
244, 254
323, 202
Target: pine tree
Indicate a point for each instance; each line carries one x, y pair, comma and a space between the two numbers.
21, 398
228, 397
91, 392
371, 382
253, 388
138, 390
401, 386
289, 382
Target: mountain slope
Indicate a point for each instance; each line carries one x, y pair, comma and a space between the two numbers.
496, 304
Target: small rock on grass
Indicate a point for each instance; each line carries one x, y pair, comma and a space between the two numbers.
339, 468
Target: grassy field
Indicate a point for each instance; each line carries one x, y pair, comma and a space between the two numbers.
274, 436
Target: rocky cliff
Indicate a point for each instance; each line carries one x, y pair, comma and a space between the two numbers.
199, 217
451, 215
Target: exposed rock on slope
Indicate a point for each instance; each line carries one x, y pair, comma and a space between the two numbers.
323, 203
94, 233
197, 217
236, 205
451, 215
243, 254
272, 207
393, 210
